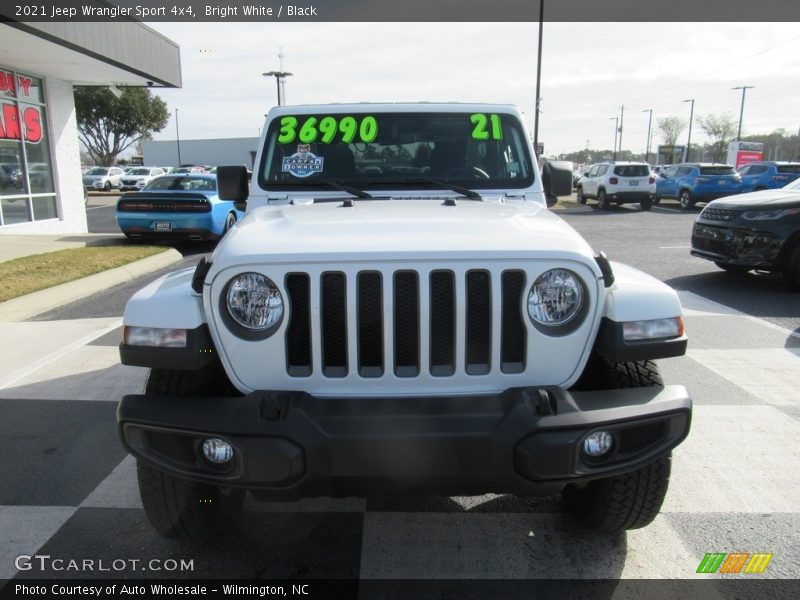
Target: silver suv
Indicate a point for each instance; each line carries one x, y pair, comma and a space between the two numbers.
618, 182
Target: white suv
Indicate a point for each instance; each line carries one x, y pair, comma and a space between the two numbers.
138, 177
618, 182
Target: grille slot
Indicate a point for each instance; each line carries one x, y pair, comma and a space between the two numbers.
406, 324
479, 323
513, 336
634, 439
333, 308
443, 323
719, 214
179, 448
298, 333
370, 324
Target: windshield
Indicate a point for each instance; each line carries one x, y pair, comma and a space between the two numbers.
632, 171
382, 151
97, 171
188, 183
139, 172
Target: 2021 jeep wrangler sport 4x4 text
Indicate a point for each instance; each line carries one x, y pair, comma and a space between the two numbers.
399, 312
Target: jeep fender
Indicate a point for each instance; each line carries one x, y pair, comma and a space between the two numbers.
637, 296
168, 302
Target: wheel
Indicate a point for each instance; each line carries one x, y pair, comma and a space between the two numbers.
230, 221
579, 196
731, 268
685, 199
646, 204
631, 500
791, 269
178, 508
627, 501
656, 199
107, 186
602, 200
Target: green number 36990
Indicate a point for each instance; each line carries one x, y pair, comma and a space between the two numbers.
327, 129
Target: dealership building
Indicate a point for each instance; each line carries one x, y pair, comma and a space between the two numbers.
41, 191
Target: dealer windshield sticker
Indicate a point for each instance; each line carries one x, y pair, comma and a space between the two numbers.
327, 129
482, 125
302, 163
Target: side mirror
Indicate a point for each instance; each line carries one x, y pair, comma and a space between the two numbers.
556, 180
233, 184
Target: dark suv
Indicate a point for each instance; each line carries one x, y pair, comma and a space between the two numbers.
758, 230
694, 182
768, 175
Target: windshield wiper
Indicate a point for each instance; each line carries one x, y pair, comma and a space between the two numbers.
466, 192
341, 187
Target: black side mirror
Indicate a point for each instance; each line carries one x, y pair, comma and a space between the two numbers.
233, 184
556, 180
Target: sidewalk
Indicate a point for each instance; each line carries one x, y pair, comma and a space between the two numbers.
25, 307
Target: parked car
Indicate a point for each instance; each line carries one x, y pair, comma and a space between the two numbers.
697, 182
768, 175
757, 230
177, 206
138, 177
103, 178
189, 169
618, 182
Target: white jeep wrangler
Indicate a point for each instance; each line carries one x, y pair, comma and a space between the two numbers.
399, 312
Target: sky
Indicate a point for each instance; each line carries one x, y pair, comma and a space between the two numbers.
589, 71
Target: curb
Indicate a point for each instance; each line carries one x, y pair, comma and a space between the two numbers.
36, 303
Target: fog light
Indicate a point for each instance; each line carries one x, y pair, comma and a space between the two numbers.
598, 444
217, 451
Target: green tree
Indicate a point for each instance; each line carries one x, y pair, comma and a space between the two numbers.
720, 130
108, 125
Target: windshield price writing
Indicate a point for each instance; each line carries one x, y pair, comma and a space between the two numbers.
327, 129
480, 132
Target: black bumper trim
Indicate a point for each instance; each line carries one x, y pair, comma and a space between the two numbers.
291, 444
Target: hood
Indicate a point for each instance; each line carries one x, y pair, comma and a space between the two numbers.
397, 229
764, 199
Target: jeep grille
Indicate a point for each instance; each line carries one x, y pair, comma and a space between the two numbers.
422, 309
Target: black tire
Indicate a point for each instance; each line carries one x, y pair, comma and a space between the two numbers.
791, 269
656, 199
628, 501
631, 500
686, 200
579, 196
646, 204
230, 221
732, 268
602, 200
107, 186
178, 508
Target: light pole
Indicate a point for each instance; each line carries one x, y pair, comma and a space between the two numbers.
538, 78
689, 141
621, 118
279, 76
616, 131
178, 136
649, 129
744, 89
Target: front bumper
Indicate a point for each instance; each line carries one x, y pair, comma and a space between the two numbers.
525, 441
736, 245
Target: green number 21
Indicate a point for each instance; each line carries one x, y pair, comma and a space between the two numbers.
480, 132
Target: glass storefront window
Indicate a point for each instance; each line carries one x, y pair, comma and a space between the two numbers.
27, 187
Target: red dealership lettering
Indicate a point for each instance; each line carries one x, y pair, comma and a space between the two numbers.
11, 124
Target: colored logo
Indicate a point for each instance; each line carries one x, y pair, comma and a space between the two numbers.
302, 163
736, 562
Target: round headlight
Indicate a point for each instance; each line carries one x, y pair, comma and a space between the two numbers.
254, 302
556, 298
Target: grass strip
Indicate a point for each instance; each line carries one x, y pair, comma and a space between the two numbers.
33, 273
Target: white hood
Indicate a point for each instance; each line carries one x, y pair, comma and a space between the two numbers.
400, 229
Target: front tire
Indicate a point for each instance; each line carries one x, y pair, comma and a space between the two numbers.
646, 204
602, 200
631, 500
179, 508
580, 197
686, 200
230, 221
107, 186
